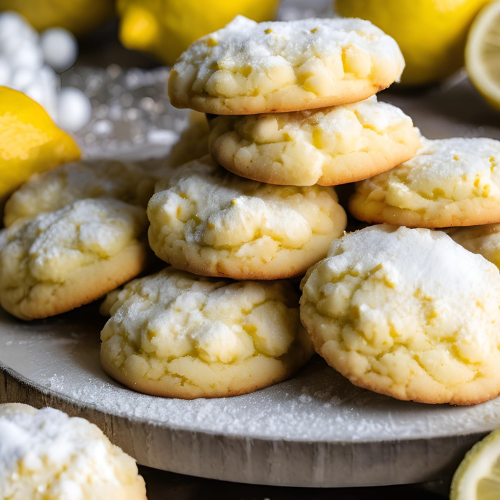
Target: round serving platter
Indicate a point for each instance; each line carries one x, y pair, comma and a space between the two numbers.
313, 430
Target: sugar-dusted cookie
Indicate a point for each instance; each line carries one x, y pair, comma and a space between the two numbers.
64, 259
327, 146
408, 313
210, 222
52, 190
451, 182
193, 142
175, 334
44, 454
248, 67
484, 240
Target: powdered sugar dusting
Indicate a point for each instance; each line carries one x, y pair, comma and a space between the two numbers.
60, 457
316, 405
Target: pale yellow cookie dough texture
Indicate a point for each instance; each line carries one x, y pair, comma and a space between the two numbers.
484, 240
128, 182
64, 259
44, 454
249, 67
327, 147
175, 334
193, 142
408, 313
213, 223
451, 182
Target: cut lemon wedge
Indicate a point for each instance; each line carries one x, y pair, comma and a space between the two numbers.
482, 53
478, 476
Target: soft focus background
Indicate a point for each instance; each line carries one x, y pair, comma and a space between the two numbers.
127, 105
103, 78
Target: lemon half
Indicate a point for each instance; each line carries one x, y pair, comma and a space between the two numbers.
482, 53
478, 476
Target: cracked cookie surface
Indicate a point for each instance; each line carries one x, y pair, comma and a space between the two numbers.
46, 454
131, 182
128, 182
249, 67
326, 147
450, 182
211, 222
408, 313
175, 334
64, 259
484, 240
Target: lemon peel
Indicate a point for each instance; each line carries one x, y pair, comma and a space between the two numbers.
78, 16
30, 142
478, 475
166, 28
430, 33
482, 52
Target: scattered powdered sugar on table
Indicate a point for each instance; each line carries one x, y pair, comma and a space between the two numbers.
131, 111
61, 355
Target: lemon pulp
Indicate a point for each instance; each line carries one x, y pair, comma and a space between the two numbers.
478, 476
482, 53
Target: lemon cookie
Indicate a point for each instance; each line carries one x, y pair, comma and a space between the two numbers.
451, 182
61, 260
46, 454
484, 240
407, 313
210, 222
128, 182
175, 334
327, 146
248, 67
193, 142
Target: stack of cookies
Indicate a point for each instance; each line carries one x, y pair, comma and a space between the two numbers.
260, 207
410, 312
269, 215
415, 313
404, 312
75, 233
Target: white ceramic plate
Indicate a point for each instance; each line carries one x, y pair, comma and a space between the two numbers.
313, 430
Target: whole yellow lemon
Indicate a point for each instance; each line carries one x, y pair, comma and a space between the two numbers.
78, 16
430, 33
166, 28
30, 142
